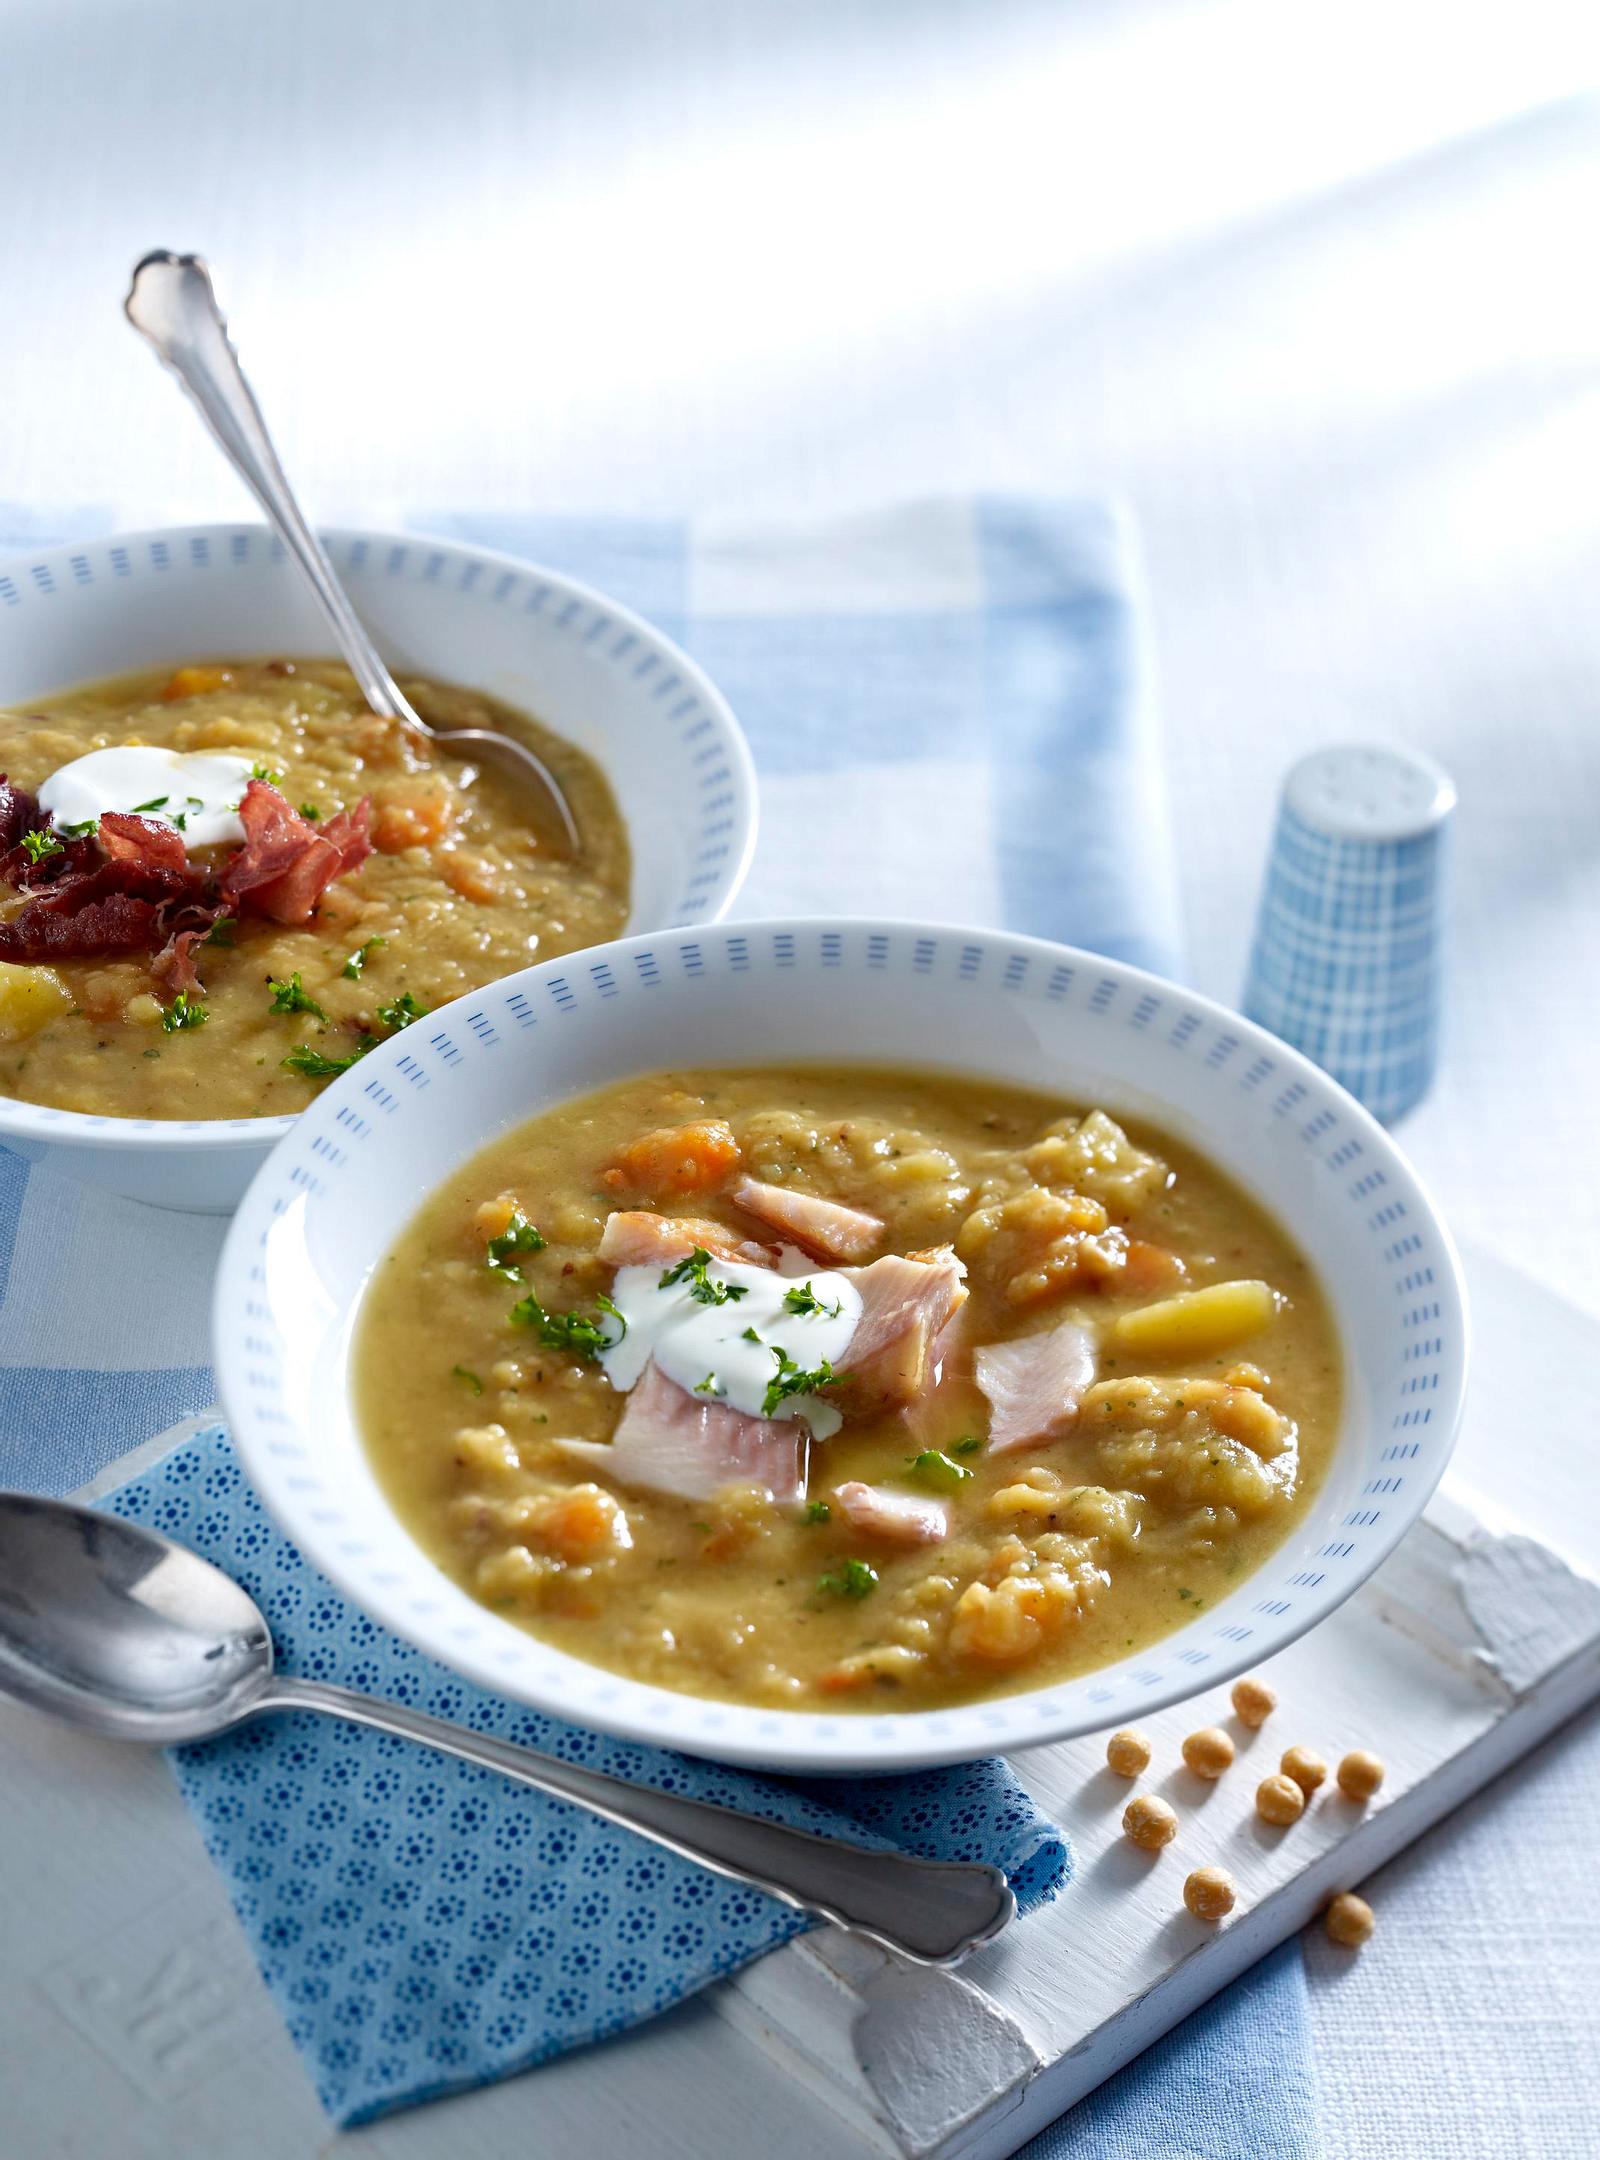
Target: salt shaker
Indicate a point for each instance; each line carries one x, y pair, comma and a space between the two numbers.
1347, 958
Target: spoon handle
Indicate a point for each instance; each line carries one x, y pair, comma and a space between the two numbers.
932, 1911
172, 304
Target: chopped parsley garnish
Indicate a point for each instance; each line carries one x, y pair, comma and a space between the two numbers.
312, 1065
750, 1335
310, 810
461, 1372
518, 1236
855, 1579
803, 1299
181, 820
709, 1386
969, 1446
401, 1011
692, 1274
38, 845
578, 1332
221, 931
938, 1470
818, 1511
358, 959
791, 1379
84, 825
156, 802
265, 772
182, 1014
293, 997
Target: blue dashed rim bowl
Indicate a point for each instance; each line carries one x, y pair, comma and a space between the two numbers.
587, 666
357, 1165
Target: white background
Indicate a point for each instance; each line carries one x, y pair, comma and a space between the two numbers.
1314, 287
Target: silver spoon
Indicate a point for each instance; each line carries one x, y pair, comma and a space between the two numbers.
171, 302
124, 1633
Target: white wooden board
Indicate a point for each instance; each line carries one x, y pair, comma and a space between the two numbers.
135, 2020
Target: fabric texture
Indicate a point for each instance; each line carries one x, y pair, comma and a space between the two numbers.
1234, 2081
949, 711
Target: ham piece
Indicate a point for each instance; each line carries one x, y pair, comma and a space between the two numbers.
1034, 1385
898, 1518
633, 1237
670, 1441
906, 1305
287, 863
823, 1228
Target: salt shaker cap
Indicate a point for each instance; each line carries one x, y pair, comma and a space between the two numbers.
1369, 791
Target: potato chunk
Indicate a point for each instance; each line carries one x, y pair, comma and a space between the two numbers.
1197, 1321
30, 997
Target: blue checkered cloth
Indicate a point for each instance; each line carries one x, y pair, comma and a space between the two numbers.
947, 705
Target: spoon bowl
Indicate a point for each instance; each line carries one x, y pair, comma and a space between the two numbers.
120, 1631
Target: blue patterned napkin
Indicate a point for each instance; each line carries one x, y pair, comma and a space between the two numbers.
949, 713
425, 1925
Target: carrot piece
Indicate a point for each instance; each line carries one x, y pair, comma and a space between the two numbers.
493, 1218
1150, 1268
844, 1679
187, 682
676, 1159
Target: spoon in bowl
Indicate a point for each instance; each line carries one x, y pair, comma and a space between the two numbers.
124, 1633
172, 304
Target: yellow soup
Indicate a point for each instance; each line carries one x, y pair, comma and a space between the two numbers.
1078, 1385
459, 889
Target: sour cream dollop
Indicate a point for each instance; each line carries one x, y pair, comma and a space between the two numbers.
708, 1348
197, 791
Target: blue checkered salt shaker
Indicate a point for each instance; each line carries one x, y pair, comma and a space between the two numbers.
1347, 957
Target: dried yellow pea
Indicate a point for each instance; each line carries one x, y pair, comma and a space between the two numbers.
1208, 1892
1279, 1800
1359, 1774
1349, 1920
1149, 1822
1305, 1766
1253, 1702
1127, 1752
1208, 1752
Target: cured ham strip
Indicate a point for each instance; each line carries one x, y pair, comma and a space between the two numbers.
105, 920
670, 1441
126, 837
633, 1237
1034, 1385
286, 863
71, 859
906, 1305
116, 906
898, 1518
824, 1228
173, 967
19, 813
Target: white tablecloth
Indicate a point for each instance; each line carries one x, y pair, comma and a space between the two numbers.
1311, 288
